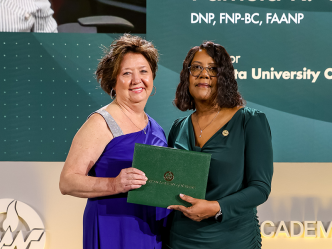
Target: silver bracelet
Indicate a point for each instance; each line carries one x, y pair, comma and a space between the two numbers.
218, 214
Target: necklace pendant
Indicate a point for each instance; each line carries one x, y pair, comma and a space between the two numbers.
144, 132
200, 135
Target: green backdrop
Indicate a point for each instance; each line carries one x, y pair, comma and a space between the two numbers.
47, 90
298, 110
47, 84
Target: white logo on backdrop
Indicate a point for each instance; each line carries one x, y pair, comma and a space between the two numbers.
20, 226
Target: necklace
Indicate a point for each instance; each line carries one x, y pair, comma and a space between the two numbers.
200, 135
130, 118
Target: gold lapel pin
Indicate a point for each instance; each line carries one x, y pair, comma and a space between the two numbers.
225, 133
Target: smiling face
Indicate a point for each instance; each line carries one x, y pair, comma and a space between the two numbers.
134, 82
202, 87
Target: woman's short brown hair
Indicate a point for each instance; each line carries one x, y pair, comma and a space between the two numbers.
109, 66
227, 90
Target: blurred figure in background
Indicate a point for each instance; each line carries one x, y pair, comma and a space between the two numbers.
27, 16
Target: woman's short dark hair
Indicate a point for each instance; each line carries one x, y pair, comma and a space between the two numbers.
227, 90
109, 66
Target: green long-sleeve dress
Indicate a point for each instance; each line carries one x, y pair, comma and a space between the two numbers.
239, 179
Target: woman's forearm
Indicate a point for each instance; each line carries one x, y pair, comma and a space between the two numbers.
76, 184
87, 186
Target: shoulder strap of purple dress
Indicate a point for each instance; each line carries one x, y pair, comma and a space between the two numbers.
112, 125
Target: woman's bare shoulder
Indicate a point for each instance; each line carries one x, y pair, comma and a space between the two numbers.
95, 127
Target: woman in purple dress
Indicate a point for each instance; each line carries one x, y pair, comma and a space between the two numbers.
98, 166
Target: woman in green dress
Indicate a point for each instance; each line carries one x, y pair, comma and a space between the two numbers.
239, 140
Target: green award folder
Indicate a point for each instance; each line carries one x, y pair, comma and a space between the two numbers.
169, 172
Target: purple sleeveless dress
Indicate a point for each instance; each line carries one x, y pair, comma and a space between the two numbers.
110, 222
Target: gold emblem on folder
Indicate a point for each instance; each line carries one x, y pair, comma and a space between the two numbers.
168, 176
225, 133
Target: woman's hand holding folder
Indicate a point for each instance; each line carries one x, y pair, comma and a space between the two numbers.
200, 209
128, 179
